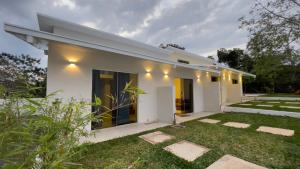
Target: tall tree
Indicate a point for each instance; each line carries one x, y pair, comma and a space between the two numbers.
274, 27
236, 59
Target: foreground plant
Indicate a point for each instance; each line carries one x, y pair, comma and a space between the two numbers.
45, 133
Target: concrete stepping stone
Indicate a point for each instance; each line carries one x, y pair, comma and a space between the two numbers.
274, 102
290, 107
277, 131
236, 125
231, 162
264, 105
245, 104
186, 150
210, 121
292, 102
156, 137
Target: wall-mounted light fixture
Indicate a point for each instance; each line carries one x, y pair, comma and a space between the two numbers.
207, 74
72, 66
166, 74
198, 78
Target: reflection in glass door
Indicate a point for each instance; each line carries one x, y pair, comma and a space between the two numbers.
184, 95
106, 84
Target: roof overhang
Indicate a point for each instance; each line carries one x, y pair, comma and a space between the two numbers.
40, 39
235, 70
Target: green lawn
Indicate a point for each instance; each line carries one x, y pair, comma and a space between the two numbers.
263, 149
275, 106
281, 95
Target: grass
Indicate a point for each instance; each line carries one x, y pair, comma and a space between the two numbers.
264, 149
281, 95
275, 106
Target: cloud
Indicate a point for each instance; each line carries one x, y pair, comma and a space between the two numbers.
200, 26
65, 3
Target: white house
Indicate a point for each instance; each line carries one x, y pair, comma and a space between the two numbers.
84, 62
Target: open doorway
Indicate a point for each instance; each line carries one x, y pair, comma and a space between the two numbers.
183, 95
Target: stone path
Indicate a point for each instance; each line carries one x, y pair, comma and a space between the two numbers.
210, 121
292, 102
186, 150
245, 104
264, 105
236, 125
156, 137
277, 131
274, 102
290, 107
190, 151
231, 162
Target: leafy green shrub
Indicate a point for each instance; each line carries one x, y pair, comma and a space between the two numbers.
45, 133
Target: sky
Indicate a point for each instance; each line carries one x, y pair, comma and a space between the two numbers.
201, 26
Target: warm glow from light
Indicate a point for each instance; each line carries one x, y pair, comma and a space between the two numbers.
224, 76
72, 68
207, 74
241, 77
166, 75
148, 75
72, 65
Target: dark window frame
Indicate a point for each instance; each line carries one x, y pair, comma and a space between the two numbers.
214, 78
235, 81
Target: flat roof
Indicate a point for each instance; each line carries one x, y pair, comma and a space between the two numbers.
128, 47
26, 33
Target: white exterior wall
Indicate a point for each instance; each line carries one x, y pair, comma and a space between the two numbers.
76, 81
211, 93
231, 93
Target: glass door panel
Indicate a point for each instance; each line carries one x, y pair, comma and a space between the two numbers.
105, 84
188, 95
184, 95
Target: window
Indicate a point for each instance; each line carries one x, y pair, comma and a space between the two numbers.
234, 81
183, 61
214, 78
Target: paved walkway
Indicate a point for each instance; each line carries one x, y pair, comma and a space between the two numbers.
192, 116
134, 128
120, 131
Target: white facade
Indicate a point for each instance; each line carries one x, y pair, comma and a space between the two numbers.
75, 51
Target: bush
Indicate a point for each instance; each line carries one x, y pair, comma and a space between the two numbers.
45, 133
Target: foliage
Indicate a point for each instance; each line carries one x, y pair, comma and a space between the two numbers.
274, 29
172, 45
236, 59
274, 26
21, 72
45, 133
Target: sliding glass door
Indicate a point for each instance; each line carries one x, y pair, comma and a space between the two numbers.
116, 108
184, 95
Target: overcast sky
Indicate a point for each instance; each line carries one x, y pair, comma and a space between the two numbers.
201, 26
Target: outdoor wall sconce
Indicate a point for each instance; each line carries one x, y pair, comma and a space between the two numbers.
166, 75
198, 78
